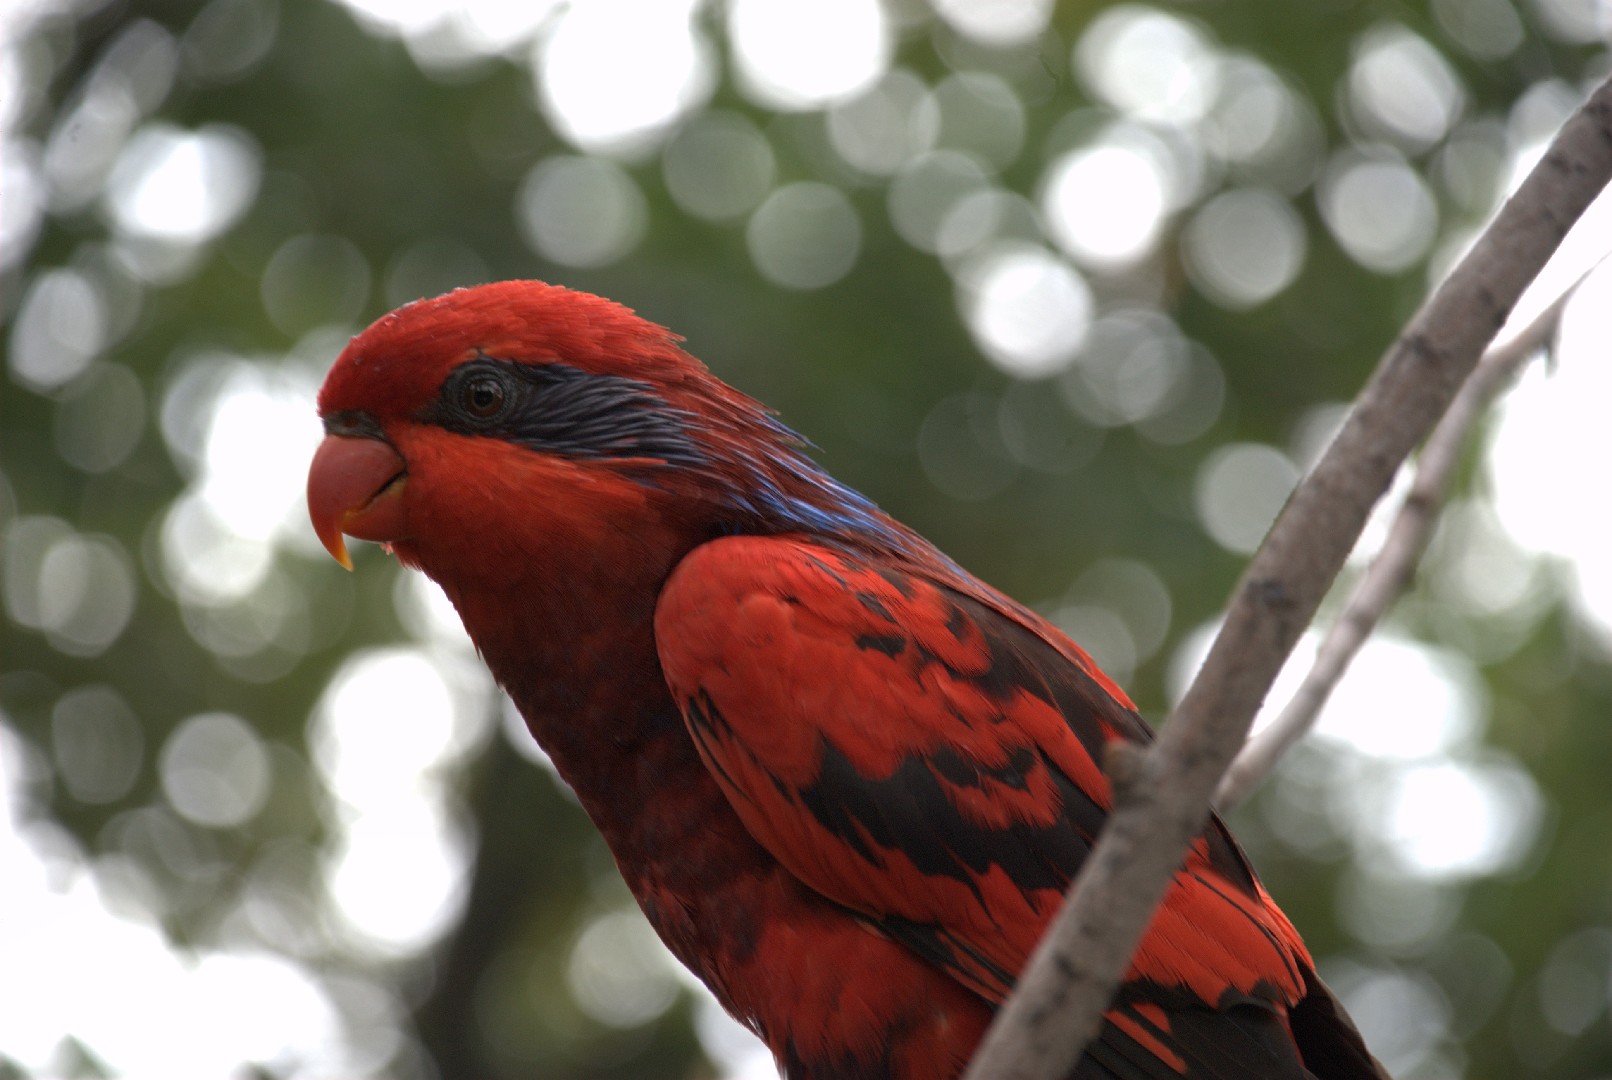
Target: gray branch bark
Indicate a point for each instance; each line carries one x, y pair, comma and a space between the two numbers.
1162, 795
1392, 571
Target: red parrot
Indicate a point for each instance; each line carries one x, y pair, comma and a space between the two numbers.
847, 781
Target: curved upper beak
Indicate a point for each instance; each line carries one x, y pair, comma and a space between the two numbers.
355, 487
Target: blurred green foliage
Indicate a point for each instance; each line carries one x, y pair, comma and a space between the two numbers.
380, 165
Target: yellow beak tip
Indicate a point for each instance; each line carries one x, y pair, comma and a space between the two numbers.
336, 544
342, 555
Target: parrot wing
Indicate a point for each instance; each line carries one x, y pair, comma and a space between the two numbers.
917, 748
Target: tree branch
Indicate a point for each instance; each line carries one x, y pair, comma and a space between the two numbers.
1391, 571
1070, 980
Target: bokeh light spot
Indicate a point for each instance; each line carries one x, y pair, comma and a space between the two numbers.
207, 561
1379, 210
100, 418
881, 129
615, 74
97, 743
390, 721
1395, 912
1460, 819
215, 771
1549, 418
1138, 369
492, 27
1027, 309
22, 193
719, 166
983, 216
1240, 488
927, 189
151, 1010
271, 627
1402, 1015
996, 22
1571, 20
315, 280
1243, 247
581, 211
1485, 29
78, 589
981, 115
1434, 712
85, 143
258, 495
1103, 634
1402, 88
1135, 592
805, 236
1105, 203
397, 877
1472, 163
619, 971
1575, 985
59, 329
730, 1044
1437, 708
1479, 568
396, 17
1265, 129
228, 38
1151, 64
388, 716
426, 612
183, 186
802, 54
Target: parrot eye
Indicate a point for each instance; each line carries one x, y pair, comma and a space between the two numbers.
483, 397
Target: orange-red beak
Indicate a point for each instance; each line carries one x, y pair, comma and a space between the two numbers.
355, 486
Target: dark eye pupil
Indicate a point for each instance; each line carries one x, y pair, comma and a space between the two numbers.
483, 397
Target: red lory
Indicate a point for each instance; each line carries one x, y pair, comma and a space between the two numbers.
847, 781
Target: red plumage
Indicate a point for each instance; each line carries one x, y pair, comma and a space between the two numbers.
847, 781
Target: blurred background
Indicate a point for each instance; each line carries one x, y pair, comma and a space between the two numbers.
1078, 290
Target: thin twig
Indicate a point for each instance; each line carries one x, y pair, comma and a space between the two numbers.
1072, 977
1391, 571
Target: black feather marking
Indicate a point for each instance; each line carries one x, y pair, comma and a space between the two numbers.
1253, 894
909, 812
703, 715
1228, 859
1327, 1039
964, 772
889, 644
557, 409
875, 605
1243, 1041
831, 573
704, 721
947, 951
957, 622
899, 582
1021, 661
819, 1063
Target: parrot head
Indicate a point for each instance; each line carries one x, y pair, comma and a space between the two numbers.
507, 420
515, 427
